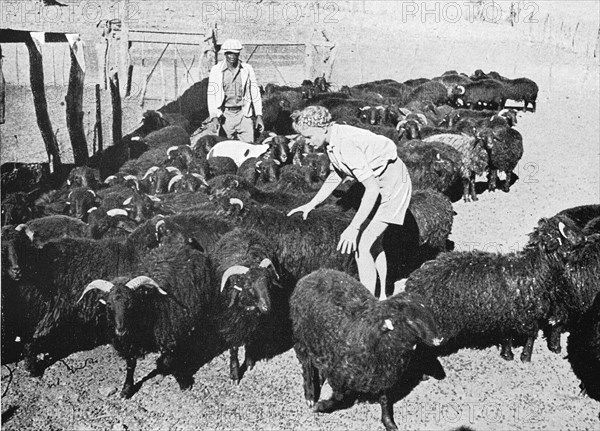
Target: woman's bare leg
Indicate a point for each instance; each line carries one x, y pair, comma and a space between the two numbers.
367, 270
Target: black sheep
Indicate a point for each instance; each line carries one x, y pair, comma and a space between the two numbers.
583, 349
187, 317
574, 261
430, 91
487, 93
359, 344
504, 146
57, 272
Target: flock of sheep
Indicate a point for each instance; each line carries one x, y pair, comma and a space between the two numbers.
176, 241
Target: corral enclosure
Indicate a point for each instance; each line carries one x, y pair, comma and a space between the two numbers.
348, 41
555, 43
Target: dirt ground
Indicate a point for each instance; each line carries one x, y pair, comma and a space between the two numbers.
560, 169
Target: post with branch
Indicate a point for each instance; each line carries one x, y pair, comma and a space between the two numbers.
74, 103
36, 77
208, 53
124, 51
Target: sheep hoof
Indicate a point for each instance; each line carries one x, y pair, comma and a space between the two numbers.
310, 404
525, 358
185, 383
126, 392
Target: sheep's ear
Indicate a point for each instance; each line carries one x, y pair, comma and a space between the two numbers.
570, 234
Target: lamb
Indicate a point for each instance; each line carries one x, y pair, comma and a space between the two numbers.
474, 159
359, 344
80, 200
583, 349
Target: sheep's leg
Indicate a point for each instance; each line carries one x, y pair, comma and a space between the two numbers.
387, 413
234, 365
527, 350
32, 365
506, 187
312, 386
553, 337
127, 390
506, 352
493, 177
472, 188
466, 189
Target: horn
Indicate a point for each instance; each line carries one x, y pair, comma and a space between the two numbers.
236, 201
28, 231
461, 89
422, 117
173, 148
401, 124
102, 285
128, 200
233, 270
92, 192
201, 178
136, 282
172, 169
175, 179
130, 177
69, 195
266, 262
92, 209
154, 198
115, 212
150, 172
135, 138
561, 228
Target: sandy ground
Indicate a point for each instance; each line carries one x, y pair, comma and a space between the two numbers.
560, 169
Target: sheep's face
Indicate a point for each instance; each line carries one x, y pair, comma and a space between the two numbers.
250, 291
15, 209
124, 307
10, 260
80, 201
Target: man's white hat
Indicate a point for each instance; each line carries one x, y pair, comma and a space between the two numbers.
231, 45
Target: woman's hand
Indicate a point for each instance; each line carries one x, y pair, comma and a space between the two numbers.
348, 238
304, 209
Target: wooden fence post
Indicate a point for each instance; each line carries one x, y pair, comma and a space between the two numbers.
36, 76
99, 119
116, 108
2, 91
74, 102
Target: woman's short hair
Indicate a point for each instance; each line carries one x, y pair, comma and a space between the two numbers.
312, 116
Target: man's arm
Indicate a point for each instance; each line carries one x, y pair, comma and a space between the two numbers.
255, 92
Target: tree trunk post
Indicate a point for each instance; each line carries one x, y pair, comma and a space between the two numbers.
74, 103
36, 74
116, 108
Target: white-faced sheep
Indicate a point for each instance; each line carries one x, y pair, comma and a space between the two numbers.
359, 344
474, 159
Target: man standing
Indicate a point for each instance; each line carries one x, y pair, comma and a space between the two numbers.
234, 99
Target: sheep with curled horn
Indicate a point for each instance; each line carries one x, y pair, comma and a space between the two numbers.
49, 281
190, 182
159, 177
179, 309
